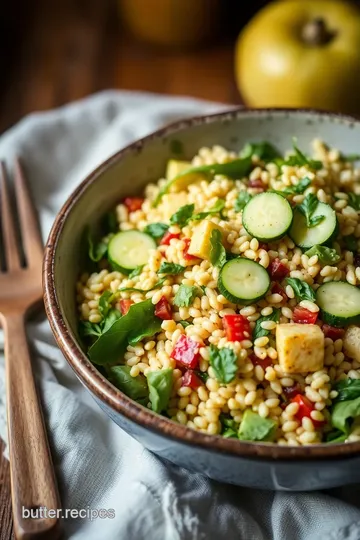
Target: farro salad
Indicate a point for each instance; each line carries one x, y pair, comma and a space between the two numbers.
227, 297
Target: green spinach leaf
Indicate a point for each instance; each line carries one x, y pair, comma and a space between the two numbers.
302, 290
160, 386
242, 199
298, 159
186, 295
347, 389
224, 363
136, 272
343, 412
261, 332
171, 268
156, 230
97, 250
255, 428
182, 216
263, 150
325, 254
229, 428
135, 388
215, 209
157, 285
354, 201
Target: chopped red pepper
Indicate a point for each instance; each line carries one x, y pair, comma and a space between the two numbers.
187, 255
277, 289
264, 363
163, 309
235, 327
278, 270
305, 409
125, 304
133, 203
186, 352
257, 183
332, 332
191, 379
168, 236
291, 391
304, 316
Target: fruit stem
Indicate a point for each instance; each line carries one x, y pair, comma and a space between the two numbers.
316, 32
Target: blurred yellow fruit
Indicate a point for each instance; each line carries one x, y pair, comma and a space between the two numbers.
172, 22
301, 53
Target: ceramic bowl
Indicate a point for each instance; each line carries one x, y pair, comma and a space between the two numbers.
126, 173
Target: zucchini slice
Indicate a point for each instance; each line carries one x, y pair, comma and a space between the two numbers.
339, 303
305, 237
243, 281
267, 216
129, 249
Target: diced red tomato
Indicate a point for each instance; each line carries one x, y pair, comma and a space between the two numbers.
125, 304
168, 236
291, 391
257, 183
278, 270
332, 332
191, 379
163, 309
264, 363
277, 289
133, 203
187, 255
236, 326
186, 352
305, 409
304, 316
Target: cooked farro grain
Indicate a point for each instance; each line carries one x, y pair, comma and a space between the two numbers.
190, 346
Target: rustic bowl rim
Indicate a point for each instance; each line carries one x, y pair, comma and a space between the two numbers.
101, 387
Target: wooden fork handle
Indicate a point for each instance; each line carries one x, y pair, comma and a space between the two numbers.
33, 482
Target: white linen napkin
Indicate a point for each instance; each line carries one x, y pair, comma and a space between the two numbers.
98, 466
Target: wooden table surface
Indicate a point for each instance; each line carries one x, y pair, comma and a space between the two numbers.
74, 48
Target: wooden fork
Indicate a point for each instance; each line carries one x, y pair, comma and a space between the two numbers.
33, 480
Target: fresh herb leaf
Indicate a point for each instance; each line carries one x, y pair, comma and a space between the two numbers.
105, 303
112, 316
263, 150
242, 199
160, 386
296, 190
182, 216
156, 230
229, 428
171, 268
343, 412
299, 159
230, 256
87, 329
351, 242
96, 249
139, 322
135, 388
217, 250
176, 147
224, 363
136, 272
215, 209
302, 290
134, 289
110, 223
354, 201
325, 255
347, 389
236, 170
255, 428
184, 324
203, 375
350, 158
258, 330
336, 436
185, 295
307, 208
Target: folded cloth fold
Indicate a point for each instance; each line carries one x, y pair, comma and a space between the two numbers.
98, 465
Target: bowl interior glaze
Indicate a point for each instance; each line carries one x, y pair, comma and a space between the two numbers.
126, 173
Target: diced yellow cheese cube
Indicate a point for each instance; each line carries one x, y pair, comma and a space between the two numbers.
200, 245
171, 203
352, 343
175, 168
300, 347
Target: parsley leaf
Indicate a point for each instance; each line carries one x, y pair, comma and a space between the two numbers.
203, 375
135, 388
185, 295
215, 209
242, 199
229, 427
224, 363
258, 330
86, 329
96, 250
354, 201
296, 190
263, 150
184, 324
299, 159
307, 208
217, 250
302, 290
160, 385
156, 230
171, 268
182, 216
325, 255
136, 272
351, 242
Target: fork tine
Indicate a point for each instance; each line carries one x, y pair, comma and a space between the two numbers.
29, 226
12, 255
